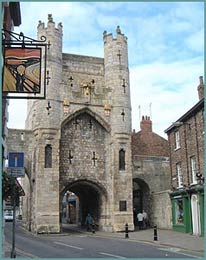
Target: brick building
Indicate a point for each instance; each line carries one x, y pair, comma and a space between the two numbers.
186, 139
151, 175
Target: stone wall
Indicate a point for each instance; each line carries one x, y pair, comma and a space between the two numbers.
162, 210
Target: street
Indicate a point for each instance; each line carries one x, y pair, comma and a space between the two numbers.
82, 245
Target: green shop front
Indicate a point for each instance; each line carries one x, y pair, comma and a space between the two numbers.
188, 210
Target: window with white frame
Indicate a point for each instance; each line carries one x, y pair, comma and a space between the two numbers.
193, 169
177, 139
179, 175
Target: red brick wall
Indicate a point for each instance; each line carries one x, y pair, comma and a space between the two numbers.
191, 144
147, 143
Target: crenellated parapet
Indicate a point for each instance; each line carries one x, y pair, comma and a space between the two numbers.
50, 26
119, 36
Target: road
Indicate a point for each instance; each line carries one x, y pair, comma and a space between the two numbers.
81, 245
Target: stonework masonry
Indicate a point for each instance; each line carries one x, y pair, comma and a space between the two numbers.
84, 141
151, 175
87, 127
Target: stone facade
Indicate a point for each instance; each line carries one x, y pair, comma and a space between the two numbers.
89, 123
151, 175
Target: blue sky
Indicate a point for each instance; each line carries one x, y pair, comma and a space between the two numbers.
165, 45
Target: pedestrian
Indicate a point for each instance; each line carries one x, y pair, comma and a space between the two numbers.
140, 218
89, 222
145, 219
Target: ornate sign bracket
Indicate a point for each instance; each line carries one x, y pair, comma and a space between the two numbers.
24, 70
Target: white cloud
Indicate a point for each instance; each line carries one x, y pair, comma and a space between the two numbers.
195, 42
17, 113
165, 44
171, 88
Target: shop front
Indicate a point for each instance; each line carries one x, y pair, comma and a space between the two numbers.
188, 210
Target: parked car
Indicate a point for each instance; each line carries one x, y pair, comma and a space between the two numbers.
8, 215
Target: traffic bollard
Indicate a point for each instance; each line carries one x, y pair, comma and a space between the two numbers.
126, 231
155, 233
93, 228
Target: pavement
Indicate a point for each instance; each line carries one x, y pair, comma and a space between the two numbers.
187, 244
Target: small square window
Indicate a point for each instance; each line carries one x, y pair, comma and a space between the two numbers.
122, 205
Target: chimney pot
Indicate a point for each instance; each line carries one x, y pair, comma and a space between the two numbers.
146, 124
200, 88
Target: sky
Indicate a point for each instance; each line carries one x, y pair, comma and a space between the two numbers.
165, 48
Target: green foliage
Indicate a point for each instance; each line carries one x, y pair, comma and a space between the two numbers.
7, 183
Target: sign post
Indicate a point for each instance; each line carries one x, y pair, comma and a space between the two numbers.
13, 251
15, 169
16, 164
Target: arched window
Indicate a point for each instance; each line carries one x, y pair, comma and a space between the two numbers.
48, 156
122, 159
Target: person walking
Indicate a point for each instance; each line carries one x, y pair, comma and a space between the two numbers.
89, 222
140, 219
145, 219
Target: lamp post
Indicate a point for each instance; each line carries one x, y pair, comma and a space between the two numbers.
13, 252
200, 178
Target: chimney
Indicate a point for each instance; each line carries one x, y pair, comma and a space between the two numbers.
200, 88
146, 124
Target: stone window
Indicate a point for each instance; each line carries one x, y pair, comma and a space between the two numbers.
48, 156
122, 160
177, 139
122, 205
193, 169
179, 175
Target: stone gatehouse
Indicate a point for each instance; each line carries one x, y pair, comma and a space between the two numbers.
82, 144
79, 141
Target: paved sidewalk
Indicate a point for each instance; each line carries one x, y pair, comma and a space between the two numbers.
166, 238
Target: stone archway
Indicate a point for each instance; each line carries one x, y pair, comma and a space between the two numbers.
83, 161
91, 198
141, 198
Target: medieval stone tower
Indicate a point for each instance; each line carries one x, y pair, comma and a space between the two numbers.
80, 137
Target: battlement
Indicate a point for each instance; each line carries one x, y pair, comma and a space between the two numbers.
109, 37
50, 25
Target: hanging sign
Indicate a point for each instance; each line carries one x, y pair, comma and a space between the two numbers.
21, 71
24, 66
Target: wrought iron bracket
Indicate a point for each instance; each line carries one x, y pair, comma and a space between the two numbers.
14, 39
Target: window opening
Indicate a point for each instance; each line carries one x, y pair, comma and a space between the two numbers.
122, 159
48, 156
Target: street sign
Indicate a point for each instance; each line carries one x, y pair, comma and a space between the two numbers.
16, 172
16, 160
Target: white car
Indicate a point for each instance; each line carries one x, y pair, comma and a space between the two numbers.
8, 216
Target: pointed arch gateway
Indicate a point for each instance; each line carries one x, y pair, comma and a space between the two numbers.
83, 159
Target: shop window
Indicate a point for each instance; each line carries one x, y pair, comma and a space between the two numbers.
179, 212
193, 169
48, 156
122, 160
179, 175
177, 139
122, 205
